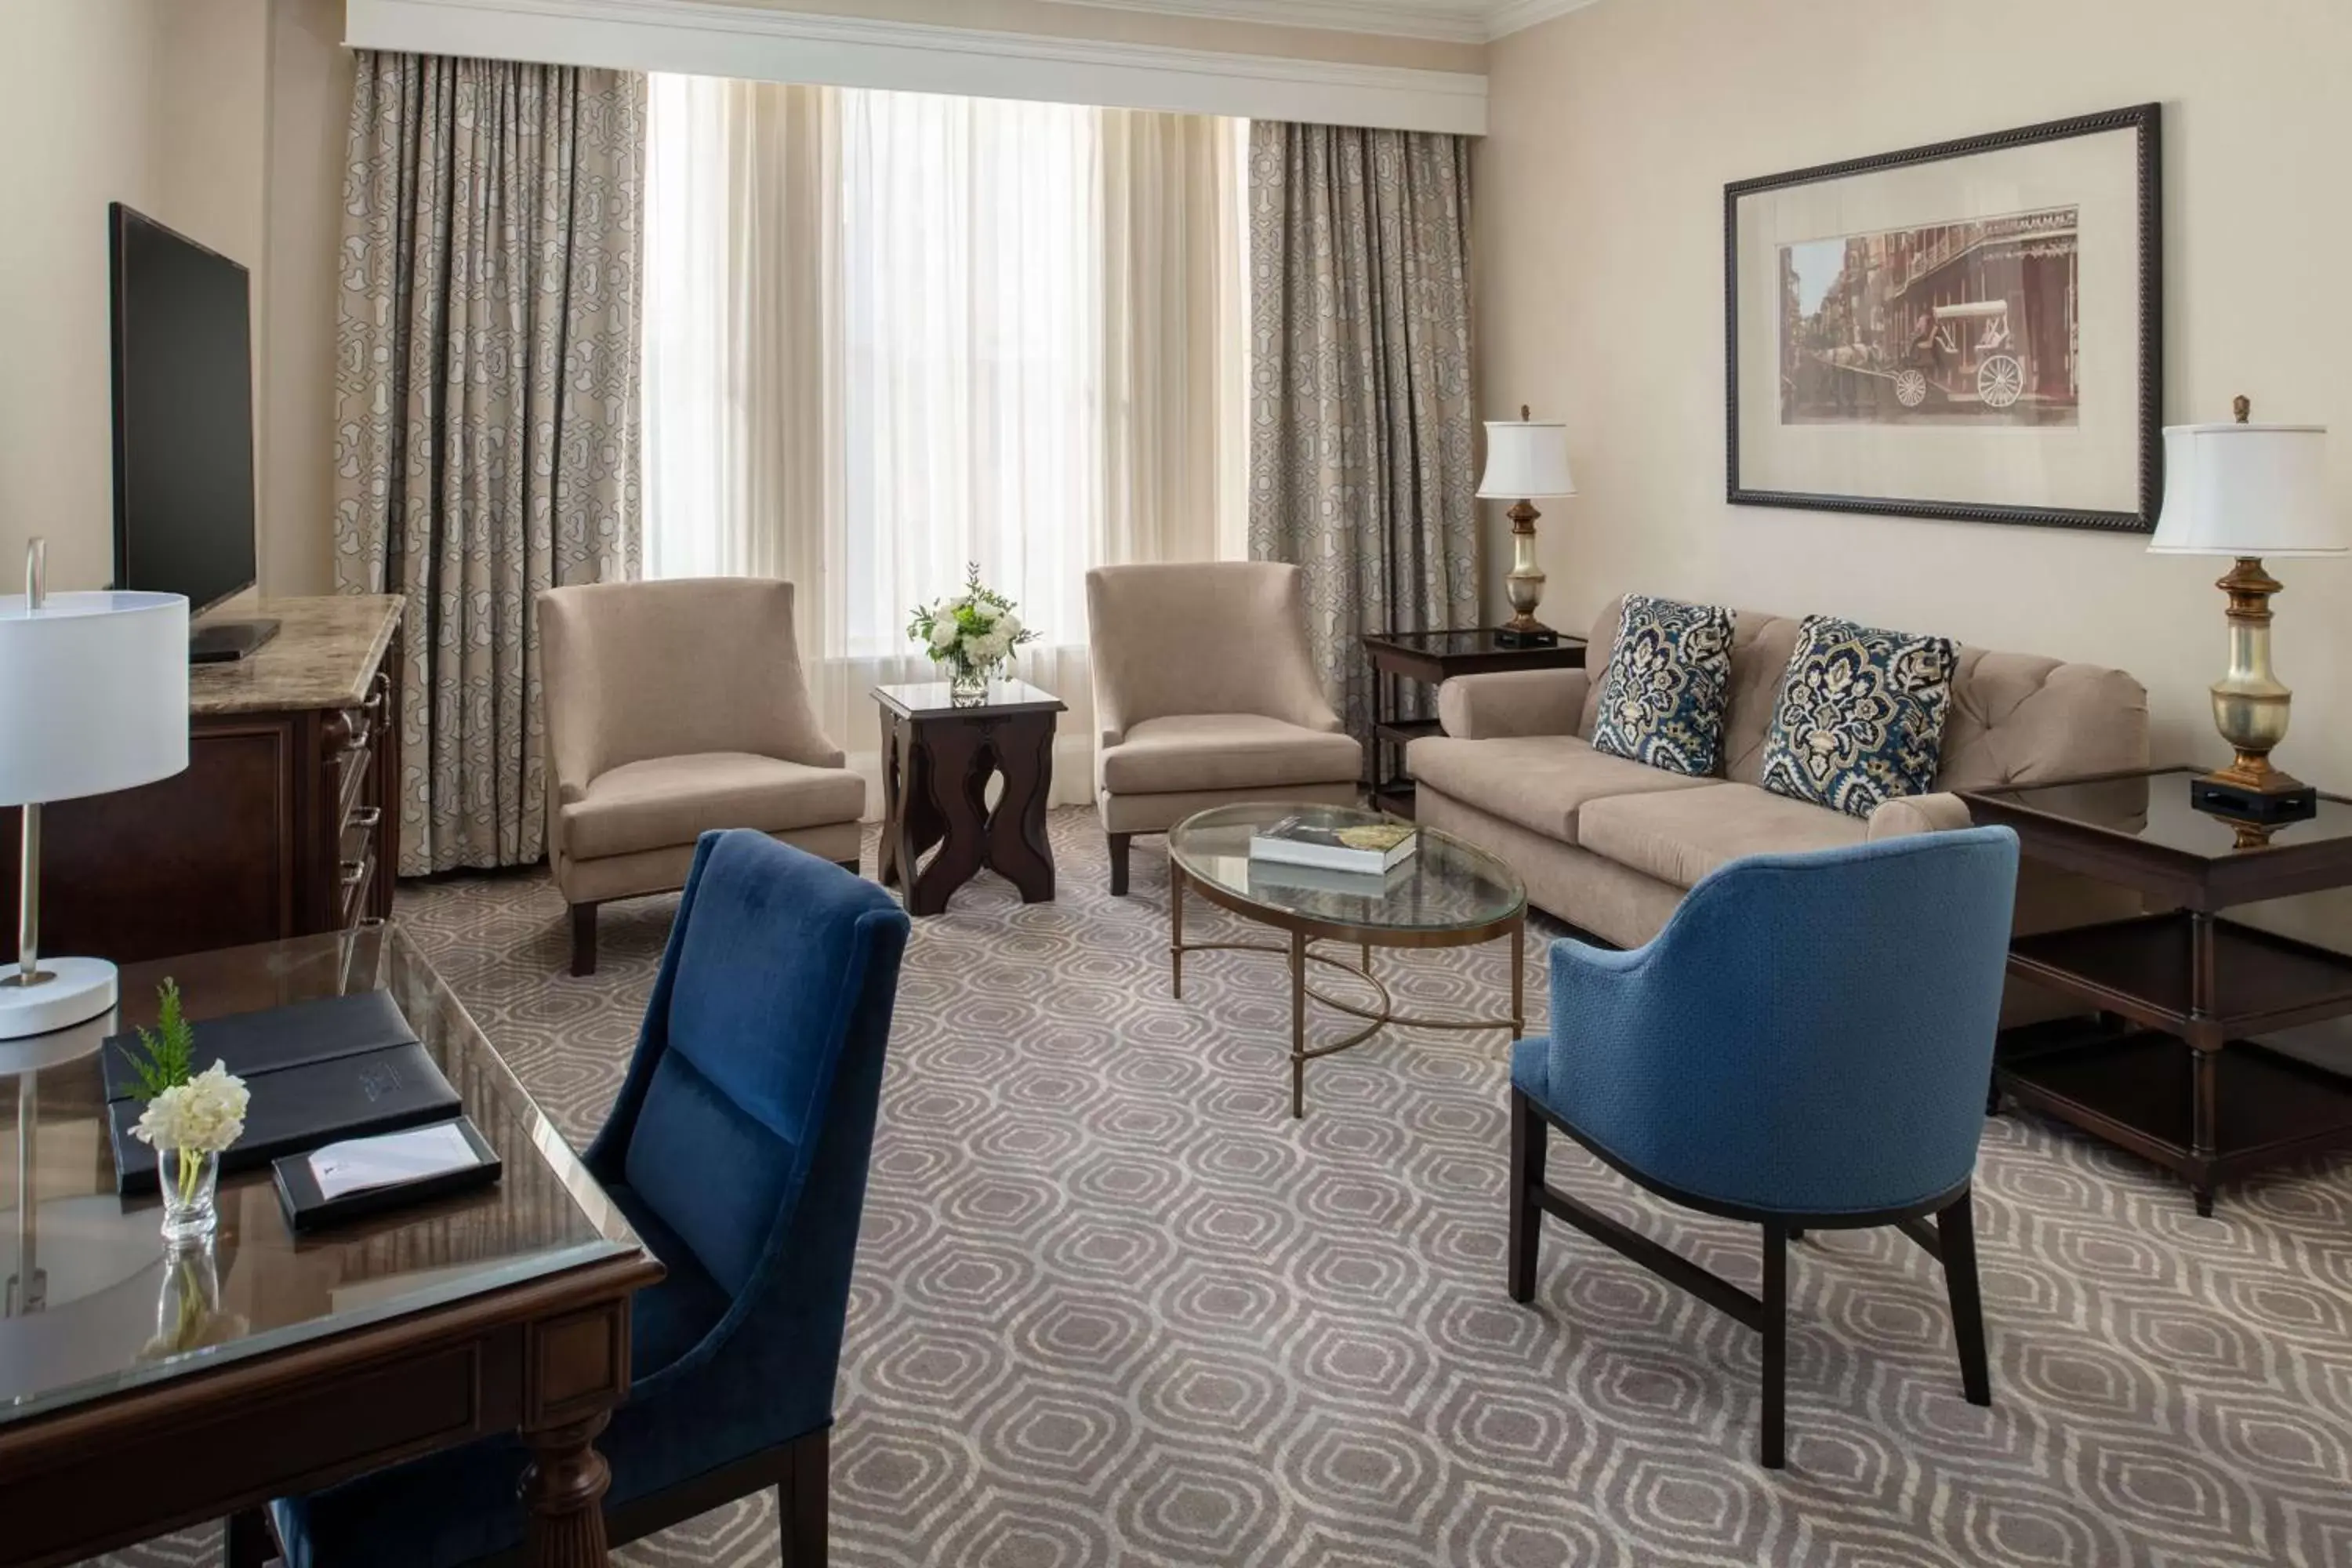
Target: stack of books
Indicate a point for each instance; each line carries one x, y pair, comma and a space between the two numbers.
1297, 852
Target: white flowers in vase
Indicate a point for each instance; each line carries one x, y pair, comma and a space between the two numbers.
972, 632
190, 1117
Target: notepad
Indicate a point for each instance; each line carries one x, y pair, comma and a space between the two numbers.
360, 1165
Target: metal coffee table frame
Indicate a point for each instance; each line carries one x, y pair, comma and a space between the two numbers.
1306, 929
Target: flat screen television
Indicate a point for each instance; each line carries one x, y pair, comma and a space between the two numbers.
184, 508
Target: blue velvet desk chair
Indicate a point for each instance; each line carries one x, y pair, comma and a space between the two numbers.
738, 1149
1805, 1046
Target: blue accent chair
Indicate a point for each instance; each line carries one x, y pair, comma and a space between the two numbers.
1805, 1046
738, 1150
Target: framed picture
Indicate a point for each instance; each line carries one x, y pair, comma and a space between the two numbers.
1969, 331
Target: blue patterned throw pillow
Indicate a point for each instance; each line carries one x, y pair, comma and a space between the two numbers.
1663, 699
1861, 716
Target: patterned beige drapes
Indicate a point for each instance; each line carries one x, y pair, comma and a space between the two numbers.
1360, 394
487, 406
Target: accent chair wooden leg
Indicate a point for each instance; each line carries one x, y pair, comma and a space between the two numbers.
1955, 1233
245, 1541
1774, 1448
855, 868
583, 939
800, 1503
1528, 1137
1119, 843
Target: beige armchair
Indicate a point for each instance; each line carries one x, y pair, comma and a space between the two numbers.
1205, 693
674, 708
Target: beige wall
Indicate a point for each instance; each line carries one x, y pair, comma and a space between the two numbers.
78, 114
223, 118
1111, 25
1601, 209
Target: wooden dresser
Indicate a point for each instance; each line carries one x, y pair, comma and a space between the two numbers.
284, 823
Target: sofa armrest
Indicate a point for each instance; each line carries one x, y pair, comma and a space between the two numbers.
1918, 813
1513, 702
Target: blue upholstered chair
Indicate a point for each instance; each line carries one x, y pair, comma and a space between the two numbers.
738, 1150
1805, 1046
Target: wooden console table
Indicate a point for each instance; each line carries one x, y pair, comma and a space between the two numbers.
1433, 658
285, 821
2185, 1067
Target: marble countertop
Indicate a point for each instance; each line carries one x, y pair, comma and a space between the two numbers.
323, 657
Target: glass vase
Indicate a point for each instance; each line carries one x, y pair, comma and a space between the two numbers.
967, 684
191, 1182
187, 1305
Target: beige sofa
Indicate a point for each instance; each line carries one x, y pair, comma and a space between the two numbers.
1611, 846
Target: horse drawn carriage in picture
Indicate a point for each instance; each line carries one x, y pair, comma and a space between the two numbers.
1965, 353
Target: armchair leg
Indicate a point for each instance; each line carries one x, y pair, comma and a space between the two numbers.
583, 939
1119, 843
801, 1501
855, 868
1955, 1232
1526, 1205
247, 1543
1775, 1443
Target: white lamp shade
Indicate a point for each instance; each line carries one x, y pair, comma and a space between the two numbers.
2247, 489
1526, 460
93, 694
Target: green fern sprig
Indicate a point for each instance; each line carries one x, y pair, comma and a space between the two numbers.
170, 1046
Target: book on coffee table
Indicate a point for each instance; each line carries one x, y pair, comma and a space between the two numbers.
1374, 846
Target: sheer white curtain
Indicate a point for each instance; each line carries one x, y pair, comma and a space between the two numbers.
890, 333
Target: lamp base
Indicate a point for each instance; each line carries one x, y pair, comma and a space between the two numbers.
1526, 631
69, 991
2278, 799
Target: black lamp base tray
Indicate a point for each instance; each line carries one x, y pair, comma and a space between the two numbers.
2265, 808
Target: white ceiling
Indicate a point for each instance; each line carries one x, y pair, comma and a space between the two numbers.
1454, 21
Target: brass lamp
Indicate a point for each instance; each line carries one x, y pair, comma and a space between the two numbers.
1526, 459
2247, 491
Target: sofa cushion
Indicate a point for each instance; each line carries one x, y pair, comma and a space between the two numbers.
1538, 782
1661, 697
1860, 719
666, 801
1681, 836
1224, 750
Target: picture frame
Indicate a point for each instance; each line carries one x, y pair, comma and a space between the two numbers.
1970, 330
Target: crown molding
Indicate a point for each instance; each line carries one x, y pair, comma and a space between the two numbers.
1518, 15
1385, 18
701, 38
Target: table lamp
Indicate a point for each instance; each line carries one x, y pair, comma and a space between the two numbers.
2247, 491
94, 698
1526, 460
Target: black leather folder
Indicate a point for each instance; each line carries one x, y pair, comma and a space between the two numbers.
299, 1108
296, 1035
307, 1210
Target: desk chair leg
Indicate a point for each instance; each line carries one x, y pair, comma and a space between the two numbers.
583, 939
247, 1543
1119, 843
1955, 1233
1775, 1445
1526, 1197
801, 1501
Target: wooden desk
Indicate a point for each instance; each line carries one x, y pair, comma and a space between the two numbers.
505, 1309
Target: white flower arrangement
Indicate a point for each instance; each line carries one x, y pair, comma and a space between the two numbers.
203, 1115
971, 632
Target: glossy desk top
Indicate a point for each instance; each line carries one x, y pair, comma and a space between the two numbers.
93, 1306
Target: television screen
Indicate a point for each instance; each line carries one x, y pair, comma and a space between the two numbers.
182, 416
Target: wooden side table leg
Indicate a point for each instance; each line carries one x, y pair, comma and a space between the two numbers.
2204, 1063
1018, 850
947, 795
563, 1495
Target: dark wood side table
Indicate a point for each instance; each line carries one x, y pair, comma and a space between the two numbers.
1432, 658
937, 755
2185, 1066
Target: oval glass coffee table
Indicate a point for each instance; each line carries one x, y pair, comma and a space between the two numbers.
1446, 894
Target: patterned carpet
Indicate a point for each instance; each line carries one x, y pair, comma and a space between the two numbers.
1114, 1306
